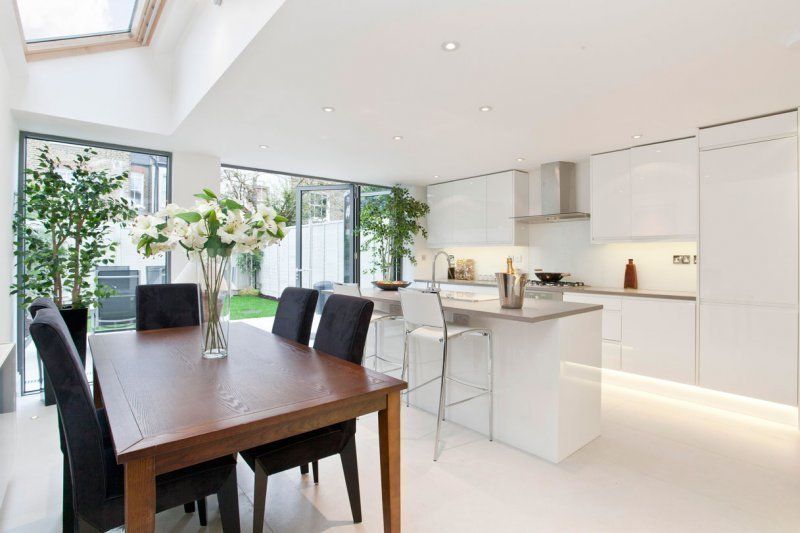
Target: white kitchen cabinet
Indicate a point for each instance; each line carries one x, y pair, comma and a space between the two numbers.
749, 350
506, 192
658, 338
469, 211
664, 190
477, 211
611, 327
748, 223
611, 196
441, 200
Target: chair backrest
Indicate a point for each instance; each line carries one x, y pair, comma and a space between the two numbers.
422, 308
42, 303
75, 407
168, 305
348, 289
295, 314
343, 328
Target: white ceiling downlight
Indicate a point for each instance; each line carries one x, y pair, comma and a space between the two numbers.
520, 159
263, 146
485, 108
450, 46
637, 136
329, 109
398, 137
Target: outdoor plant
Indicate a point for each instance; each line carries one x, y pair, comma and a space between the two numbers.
389, 223
210, 232
62, 228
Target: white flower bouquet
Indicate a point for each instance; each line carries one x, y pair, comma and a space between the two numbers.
210, 233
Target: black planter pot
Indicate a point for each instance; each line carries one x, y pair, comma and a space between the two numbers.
77, 321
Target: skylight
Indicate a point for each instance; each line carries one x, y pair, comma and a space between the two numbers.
54, 28
48, 20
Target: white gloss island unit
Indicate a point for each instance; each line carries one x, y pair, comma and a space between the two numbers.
547, 371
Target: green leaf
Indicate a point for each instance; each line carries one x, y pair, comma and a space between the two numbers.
281, 218
209, 192
231, 204
191, 217
202, 196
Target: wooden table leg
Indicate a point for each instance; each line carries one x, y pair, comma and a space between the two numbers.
389, 429
98, 395
140, 496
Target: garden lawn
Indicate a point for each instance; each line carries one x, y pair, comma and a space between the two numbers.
252, 307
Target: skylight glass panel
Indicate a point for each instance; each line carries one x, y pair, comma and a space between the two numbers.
48, 20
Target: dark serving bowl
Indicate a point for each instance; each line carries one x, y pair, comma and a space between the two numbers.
550, 277
391, 285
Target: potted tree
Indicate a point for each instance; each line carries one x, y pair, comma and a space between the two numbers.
388, 226
62, 229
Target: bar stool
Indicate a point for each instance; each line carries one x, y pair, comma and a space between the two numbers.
424, 317
378, 317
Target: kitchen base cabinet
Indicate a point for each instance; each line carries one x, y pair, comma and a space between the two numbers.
612, 355
749, 350
658, 339
612, 324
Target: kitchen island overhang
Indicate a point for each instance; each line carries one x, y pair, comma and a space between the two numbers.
547, 371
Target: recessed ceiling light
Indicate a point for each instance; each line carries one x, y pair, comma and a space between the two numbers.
263, 146
637, 136
328, 109
34, 417
450, 46
485, 108
436, 177
520, 159
398, 137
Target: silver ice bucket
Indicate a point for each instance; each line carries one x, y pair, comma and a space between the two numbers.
512, 289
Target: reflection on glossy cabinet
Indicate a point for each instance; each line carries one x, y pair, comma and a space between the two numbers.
469, 211
658, 338
441, 199
664, 190
611, 196
749, 350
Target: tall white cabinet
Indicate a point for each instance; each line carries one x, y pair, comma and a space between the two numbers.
477, 211
748, 268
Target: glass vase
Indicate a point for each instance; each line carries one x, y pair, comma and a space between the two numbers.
214, 285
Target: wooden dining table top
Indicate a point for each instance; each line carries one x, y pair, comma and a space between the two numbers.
161, 395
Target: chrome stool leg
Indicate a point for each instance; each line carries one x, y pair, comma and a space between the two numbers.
442, 395
377, 335
490, 359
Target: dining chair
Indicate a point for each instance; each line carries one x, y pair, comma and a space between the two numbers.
425, 321
378, 317
342, 333
295, 314
98, 488
170, 305
167, 305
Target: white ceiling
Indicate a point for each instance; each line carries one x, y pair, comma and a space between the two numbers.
564, 78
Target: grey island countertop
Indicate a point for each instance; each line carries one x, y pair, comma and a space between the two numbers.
532, 310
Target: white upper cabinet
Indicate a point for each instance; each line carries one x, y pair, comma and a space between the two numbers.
611, 196
645, 193
477, 211
664, 190
469, 211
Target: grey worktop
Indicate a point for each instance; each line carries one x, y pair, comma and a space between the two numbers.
532, 310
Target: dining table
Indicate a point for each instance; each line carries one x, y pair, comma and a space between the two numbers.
169, 408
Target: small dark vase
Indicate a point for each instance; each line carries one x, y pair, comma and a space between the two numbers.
77, 321
631, 281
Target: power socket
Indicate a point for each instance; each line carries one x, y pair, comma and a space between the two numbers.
681, 259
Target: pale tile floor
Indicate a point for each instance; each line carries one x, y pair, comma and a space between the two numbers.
661, 465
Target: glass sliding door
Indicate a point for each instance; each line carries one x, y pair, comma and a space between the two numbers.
148, 190
326, 243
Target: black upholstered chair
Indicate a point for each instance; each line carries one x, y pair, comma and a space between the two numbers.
295, 314
167, 305
97, 479
170, 305
342, 332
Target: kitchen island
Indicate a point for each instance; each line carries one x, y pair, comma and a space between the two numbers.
546, 370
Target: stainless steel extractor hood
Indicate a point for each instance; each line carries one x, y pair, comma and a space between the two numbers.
559, 194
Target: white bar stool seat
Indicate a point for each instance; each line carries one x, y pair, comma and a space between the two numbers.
352, 289
425, 321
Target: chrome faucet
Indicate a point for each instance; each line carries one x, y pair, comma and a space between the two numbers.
432, 283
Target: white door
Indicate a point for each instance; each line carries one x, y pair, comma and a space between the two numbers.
500, 208
748, 223
664, 190
469, 211
749, 350
658, 338
611, 196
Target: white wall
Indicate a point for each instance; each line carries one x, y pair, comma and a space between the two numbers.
191, 172
8, 184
